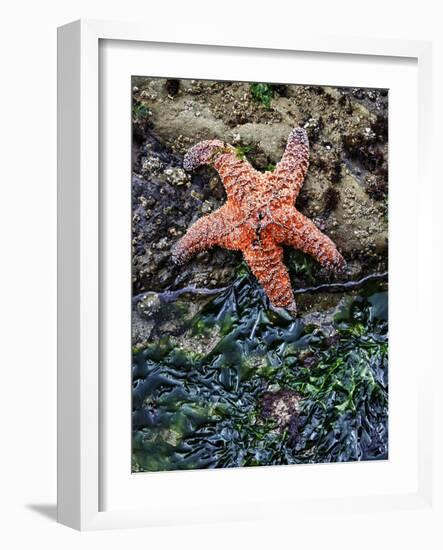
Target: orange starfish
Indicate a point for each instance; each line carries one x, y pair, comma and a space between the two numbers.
259, 215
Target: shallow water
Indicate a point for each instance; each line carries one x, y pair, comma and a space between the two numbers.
245, 385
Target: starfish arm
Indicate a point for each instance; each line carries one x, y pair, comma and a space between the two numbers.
236, 173
300, 232
208, 231
265, 260
291, 170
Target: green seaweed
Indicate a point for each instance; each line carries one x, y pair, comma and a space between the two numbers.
140, 111
205, 411
242, 151
262, 93
302, 266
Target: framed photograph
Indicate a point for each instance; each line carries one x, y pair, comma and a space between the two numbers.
237, 336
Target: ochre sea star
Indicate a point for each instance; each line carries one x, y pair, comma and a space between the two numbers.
259, 215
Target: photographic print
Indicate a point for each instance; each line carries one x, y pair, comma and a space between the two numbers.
259, 274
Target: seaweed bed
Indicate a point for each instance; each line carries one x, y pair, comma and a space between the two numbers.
268, 389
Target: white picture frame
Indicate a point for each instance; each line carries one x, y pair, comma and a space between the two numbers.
81, 414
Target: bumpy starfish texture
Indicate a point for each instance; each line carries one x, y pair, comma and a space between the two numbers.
259, 215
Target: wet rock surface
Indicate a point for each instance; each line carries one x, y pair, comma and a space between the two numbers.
283, 407
154, 317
